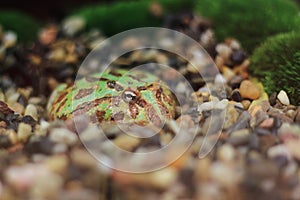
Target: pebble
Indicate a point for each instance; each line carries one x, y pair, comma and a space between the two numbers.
24, 131
267, 123
31, 110
73, 25
249, 90
63, 135
279, 150
57, 164
246, 104
230, 117
220, 79
17, 107
83, 159
237, 57
283, 98
47, 185
239, 137
224, 51
228, 73
127, 142
5, 141
272, 99
236, 96
297, 115
226, 153
293, 147
9, 39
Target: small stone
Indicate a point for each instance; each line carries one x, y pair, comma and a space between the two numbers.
279, 150
185, 121
220, 79
239, 137
224, 51
5, 141
127, 142
63, 135
226, 153
228, 73
237, 57
57, 164
297, 115
236, 96
17, 107
42, 145
230, 117
13, 137
31, 110
24, 131
57, 55
272, 98
283, 98
48, 34
10, 39
5, 109
47, 185
267, 123
73, 25
249, 90
235, 82
35, 100
83, 159
246, 104
293, 147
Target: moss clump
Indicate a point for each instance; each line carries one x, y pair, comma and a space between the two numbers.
120, 16
25, 26
251, 22
277, 64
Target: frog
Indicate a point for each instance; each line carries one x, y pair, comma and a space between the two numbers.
115, 96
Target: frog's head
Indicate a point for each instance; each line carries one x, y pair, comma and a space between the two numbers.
142, 102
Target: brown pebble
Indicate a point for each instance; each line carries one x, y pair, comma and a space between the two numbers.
249, 90
297, 115
246, 104
5, 109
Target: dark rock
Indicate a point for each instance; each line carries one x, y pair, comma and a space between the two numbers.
272, 98
235, 82
27, 119
43, 145
237, 57
4, 141
236, 96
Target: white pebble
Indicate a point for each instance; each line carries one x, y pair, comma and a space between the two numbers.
62, 135
283, 98
32, 111
220, 79
9, 39
24, 131
73, 25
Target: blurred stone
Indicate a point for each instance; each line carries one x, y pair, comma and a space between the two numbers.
24, 131
63, 135
249, 90
32, 111
73, 25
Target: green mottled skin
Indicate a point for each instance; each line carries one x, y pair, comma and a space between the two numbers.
133, 97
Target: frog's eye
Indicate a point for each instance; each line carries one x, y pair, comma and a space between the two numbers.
129, 96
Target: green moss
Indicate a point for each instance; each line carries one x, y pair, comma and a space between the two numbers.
120, 16
250, 21
277, 64
25, 26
